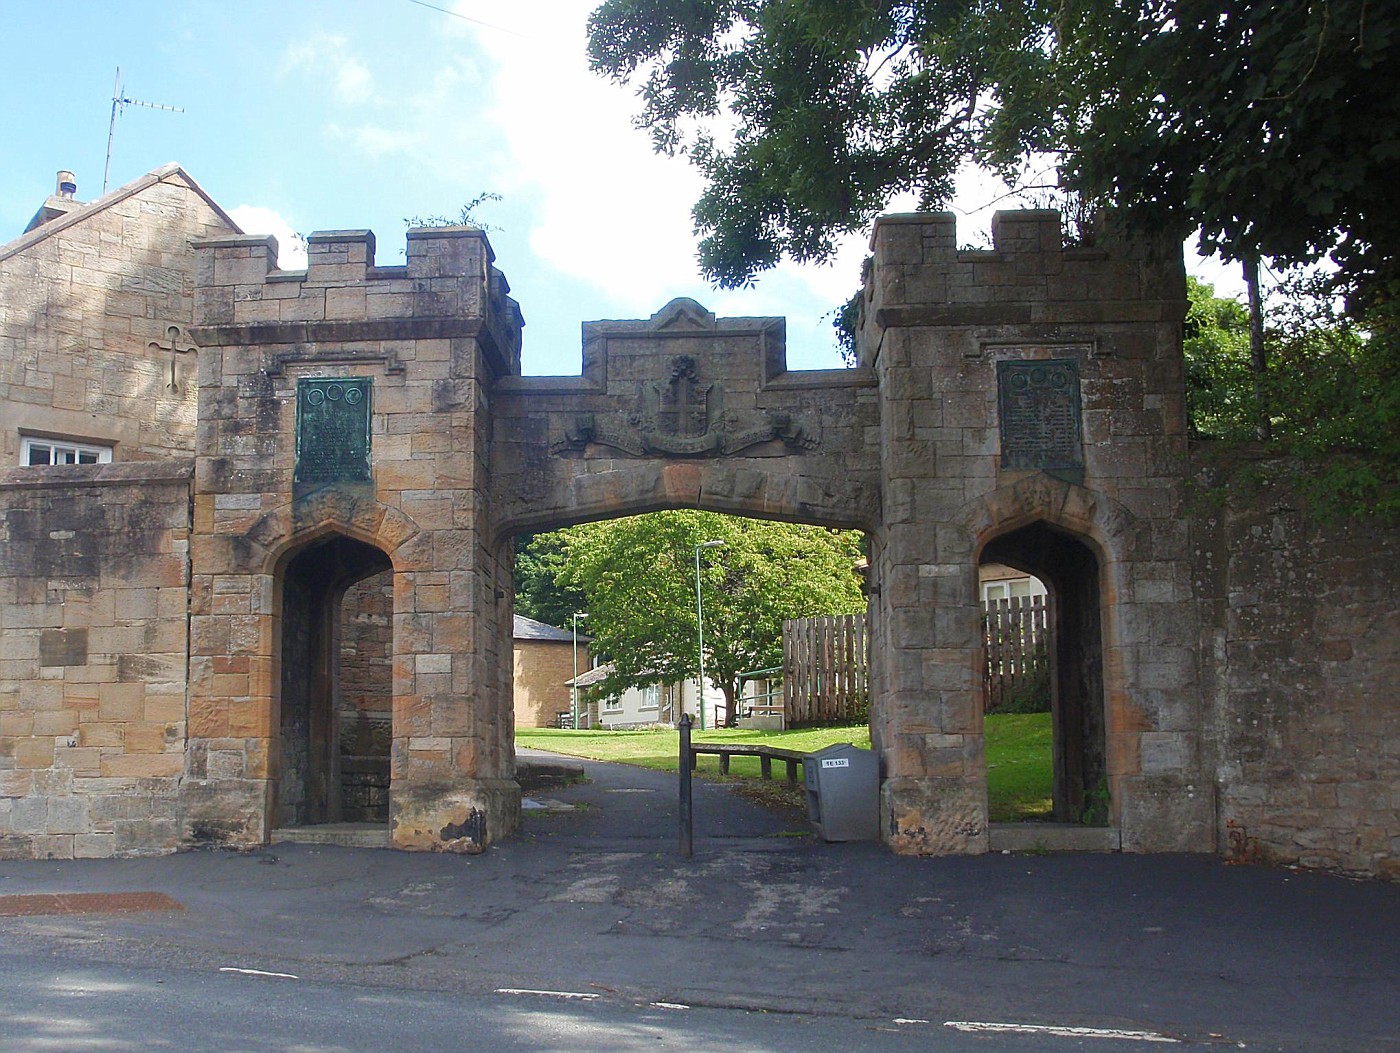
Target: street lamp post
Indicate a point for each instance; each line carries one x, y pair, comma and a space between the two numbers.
700, 627
574, 685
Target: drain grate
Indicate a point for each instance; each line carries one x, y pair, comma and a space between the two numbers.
85, 903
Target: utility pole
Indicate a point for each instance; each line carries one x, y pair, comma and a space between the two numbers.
574, 685
700, 627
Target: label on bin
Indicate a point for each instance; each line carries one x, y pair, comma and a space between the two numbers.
837, 762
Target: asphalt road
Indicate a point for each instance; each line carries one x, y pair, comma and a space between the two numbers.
47, 1007
772, 941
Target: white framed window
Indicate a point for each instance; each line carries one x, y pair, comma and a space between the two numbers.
34, 450
1011, 589
611, 705
651, 697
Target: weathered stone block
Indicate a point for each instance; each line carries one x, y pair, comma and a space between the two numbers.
69, 815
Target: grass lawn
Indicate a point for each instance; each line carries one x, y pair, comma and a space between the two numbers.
1018, 754
1020, 778
660, 749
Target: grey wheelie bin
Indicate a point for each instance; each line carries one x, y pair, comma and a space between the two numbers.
843, 793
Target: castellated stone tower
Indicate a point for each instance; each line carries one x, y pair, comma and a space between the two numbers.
305, 377
1032, 415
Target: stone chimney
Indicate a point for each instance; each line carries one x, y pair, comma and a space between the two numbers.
62, 201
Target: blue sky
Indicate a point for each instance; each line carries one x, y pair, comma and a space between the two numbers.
305, 115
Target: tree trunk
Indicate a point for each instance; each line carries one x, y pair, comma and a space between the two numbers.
1258, 354
731, 709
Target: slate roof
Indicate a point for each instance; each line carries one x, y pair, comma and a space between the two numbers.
529, 629
593, 676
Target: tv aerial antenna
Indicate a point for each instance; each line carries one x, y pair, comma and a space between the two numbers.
119, 101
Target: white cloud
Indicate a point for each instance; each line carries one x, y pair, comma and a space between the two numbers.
377, 141
327, 57
613, 213
254, 219
610, 211
1225, 275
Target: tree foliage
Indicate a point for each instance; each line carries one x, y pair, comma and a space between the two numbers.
1331, 395
1220, 399
538, 560
1270, 125
637, 576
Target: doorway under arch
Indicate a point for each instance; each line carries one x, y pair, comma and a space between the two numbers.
1070, 570
335, 684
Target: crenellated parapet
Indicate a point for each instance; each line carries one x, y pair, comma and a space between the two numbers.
448, 288
918, 276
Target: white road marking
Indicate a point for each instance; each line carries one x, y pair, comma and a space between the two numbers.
258, 972
1065, 1032
669, 1005
909, 1020
580, 996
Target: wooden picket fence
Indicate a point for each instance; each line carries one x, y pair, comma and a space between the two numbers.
1018, 666
826, 664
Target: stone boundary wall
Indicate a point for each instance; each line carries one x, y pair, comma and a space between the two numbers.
94, 580
1300, 665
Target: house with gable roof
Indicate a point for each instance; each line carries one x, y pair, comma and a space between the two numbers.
95, 302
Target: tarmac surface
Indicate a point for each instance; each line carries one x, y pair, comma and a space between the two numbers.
595, 900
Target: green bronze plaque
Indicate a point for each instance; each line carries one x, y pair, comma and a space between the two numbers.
1039, 410
333, 415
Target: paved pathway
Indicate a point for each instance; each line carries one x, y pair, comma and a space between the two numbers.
597, 901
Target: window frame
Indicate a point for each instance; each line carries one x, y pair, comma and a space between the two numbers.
101, 452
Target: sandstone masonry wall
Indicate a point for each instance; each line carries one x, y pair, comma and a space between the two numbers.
93, 588
88, 302
1301, 656
543, 670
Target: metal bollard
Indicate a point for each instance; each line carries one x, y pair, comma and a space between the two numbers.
687, 832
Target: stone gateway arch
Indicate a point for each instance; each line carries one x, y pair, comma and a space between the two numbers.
1026, 387
172, 663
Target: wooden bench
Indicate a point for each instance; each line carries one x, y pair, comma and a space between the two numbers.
765, 754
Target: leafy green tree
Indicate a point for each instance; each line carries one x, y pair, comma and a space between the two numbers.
638, 576
1270, 125
1334, 398
1219, 392
538, 560
1330, 396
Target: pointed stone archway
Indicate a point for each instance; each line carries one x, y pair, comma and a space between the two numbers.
313, 785
1071, 572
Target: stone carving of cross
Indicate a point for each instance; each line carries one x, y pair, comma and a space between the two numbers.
179, 344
